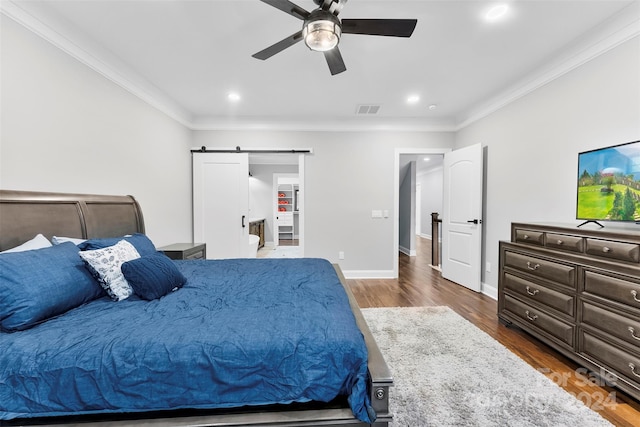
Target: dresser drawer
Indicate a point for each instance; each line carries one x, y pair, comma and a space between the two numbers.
623, 327
612, 288
619, 360
540, 320
530, 292
564, 274
530, 237
564, 242
615, 250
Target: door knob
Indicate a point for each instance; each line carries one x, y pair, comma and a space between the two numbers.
475, 221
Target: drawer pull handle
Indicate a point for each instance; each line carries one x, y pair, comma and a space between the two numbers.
533, 318
560, 242
633, 370
633, 333
532, 292
526, 237
634, 294
532, 267
606, 250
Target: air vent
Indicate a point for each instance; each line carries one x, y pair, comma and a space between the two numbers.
367, 109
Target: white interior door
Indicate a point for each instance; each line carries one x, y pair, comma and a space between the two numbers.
221, 203
462, 217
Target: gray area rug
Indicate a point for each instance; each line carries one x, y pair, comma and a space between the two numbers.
448, 372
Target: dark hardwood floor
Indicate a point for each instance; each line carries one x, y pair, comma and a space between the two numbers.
420, 285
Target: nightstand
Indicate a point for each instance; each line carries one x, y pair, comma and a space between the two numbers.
185, 250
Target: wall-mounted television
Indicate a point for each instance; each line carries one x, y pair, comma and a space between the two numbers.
609, 184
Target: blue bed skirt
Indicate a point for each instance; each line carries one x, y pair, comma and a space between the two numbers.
240, 332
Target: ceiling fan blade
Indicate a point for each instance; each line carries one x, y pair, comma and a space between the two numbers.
287, 7
278, 47
334, 59
379, 27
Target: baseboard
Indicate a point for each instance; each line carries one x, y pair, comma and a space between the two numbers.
368, 274
407, 251
489, 291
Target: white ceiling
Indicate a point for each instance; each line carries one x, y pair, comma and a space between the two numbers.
185, 56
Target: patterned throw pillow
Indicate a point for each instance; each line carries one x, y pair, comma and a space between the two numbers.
105, 265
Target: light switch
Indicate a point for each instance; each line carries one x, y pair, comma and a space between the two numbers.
376, 214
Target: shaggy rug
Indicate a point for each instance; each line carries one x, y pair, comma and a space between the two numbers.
447, 372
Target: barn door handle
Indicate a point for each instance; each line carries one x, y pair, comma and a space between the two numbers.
243, 225
475, 221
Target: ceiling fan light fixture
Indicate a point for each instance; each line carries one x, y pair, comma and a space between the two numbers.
322, 34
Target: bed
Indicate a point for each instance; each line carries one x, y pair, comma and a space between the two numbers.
239, 342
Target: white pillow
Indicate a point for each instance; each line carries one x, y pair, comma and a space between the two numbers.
37, 242
57, 240
105, 265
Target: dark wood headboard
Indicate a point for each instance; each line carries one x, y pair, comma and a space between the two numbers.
23, 214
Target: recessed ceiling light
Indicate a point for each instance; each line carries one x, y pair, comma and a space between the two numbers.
497, 12
432, 107
233, 96
426, 159
413, 99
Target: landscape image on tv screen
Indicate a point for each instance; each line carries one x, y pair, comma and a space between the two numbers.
609, 183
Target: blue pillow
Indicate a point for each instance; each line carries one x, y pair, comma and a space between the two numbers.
152, 276
39, 284
142, 243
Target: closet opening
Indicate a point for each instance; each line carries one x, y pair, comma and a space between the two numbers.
276, 200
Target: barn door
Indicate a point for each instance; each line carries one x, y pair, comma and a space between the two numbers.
221, 203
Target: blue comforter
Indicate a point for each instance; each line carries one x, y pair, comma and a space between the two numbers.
240, 332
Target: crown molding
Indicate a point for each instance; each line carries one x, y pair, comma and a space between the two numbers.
326, 124
98, 60
622, 27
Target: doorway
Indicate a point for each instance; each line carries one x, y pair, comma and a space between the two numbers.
271, 176
225, 216
462, 206
286, 215
402, 158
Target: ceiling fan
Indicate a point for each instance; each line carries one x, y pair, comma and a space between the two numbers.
322, 30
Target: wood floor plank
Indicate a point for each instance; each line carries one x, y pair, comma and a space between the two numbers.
420, 285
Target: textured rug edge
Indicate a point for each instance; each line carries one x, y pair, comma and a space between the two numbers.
573, 403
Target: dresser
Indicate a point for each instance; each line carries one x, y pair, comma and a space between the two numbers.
578, 291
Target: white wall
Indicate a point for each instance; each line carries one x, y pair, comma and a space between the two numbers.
348, 175
407, 210
532, 144
431, 186
65, 128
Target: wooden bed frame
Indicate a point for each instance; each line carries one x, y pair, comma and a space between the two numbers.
23, 214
